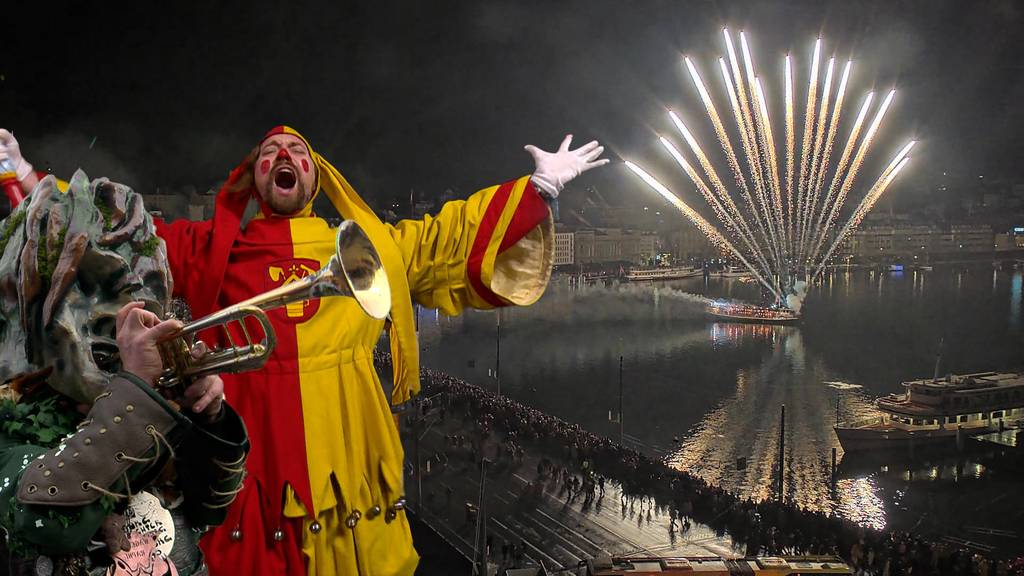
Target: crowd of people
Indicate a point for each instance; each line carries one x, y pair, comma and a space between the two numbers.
768, 527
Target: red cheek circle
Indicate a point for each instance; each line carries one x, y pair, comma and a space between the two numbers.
264, 166
305, 165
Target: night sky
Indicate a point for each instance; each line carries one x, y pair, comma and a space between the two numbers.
435, 94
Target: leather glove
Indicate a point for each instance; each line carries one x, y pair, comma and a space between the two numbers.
555, 169
10, 153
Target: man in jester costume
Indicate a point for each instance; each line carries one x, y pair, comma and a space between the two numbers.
324, 490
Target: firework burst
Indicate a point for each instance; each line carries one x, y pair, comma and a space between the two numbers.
783, 222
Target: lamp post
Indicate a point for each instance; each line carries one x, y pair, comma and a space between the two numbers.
621, 435
497, 352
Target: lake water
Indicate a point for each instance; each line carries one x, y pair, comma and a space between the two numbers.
704, 394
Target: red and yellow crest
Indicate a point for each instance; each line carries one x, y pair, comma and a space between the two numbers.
281, 272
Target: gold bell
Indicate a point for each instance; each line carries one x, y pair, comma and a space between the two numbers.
400, 504
315, 527
353, 519
373, 512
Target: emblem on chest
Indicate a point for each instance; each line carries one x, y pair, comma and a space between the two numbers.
286, 271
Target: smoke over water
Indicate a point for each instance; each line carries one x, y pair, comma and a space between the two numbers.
617, 301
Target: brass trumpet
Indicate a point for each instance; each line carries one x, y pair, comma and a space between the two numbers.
355, 270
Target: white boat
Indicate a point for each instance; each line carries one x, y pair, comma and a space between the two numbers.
938, 411
733, 272
662, 273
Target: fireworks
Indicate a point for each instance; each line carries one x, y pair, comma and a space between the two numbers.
782, 223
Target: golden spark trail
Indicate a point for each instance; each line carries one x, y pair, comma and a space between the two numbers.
752, 117
832, 129
812, 91
782, 241
840, 169
866, 203
716, 121
703, 225
743, 120
709, 197
865, 206
723, 139
737, 221
789, 153
773, 169
755, 200
858, 158
819, 144
745, 190
872, 196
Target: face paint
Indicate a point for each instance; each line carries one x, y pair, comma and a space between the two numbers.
283, 153
305, 165
265, 166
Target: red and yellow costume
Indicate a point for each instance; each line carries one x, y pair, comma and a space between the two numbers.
324, 442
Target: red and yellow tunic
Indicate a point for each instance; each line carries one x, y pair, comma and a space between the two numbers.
324, 442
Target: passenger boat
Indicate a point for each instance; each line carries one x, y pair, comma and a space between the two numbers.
935, 412
733, 272
740, 312
662, 273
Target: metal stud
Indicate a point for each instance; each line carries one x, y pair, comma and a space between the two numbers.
236, 534
353, 519
278, 535
315, 527
373, 512
390, 515
400, 503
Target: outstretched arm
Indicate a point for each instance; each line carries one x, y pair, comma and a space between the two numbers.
495, 248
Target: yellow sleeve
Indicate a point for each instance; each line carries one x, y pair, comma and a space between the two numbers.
493, 249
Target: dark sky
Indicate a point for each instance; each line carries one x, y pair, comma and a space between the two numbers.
442, 94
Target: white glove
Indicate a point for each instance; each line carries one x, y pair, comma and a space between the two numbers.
554, 170
11, 153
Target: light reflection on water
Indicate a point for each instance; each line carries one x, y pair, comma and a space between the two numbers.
718, 387
745, 427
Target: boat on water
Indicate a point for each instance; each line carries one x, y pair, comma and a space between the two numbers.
662, 273
732, 272
740, 312
936, 412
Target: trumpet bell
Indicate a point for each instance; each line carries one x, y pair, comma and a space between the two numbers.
364, 275
355, 270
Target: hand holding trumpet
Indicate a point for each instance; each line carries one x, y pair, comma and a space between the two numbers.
139, 333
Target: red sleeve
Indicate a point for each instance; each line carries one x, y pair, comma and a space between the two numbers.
186, 242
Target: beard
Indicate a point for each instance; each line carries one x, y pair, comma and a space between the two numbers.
286, 205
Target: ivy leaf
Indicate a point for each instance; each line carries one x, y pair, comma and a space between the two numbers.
46, 435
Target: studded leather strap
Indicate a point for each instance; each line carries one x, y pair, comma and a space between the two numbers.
128, 432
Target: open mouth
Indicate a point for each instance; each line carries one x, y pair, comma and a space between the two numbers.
284, 178
106, 357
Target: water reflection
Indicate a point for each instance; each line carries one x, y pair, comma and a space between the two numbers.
1015, 298
737, 444
718, 387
